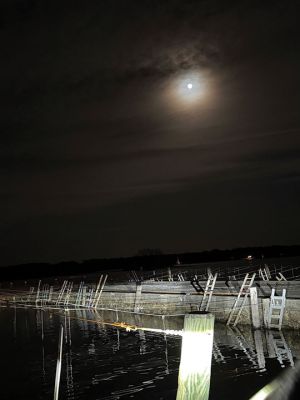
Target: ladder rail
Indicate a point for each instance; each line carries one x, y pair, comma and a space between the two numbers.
237, 300
208, 292
243, 294
277, 303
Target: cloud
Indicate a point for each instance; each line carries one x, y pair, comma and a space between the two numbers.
85, 124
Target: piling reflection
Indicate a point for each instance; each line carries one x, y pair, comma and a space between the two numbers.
278, 348
69, 359
69, 375
258, 340
166, 345
116, 343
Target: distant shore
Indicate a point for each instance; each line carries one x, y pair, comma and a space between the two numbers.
147, 261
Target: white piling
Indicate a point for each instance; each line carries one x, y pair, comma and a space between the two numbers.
38, 292
254, 308
196, 355
138, 295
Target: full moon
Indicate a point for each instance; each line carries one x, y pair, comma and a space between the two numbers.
188, 90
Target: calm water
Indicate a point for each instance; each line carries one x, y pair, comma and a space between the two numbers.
103, 362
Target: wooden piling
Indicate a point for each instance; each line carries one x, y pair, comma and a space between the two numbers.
266, 308
138, 295
83, 299
38, 292
196, 355
254, 308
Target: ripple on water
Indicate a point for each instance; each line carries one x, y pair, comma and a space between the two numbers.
102, 362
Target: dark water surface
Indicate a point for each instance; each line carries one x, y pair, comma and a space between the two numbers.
104, 362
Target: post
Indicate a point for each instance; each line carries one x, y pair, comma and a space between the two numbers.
58, 363
138, 295
83, 296
266, 306
254, 308
38, 292
196, 355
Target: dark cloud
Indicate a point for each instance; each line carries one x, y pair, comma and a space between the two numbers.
90, 142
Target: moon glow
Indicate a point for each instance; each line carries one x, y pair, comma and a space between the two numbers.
189, 90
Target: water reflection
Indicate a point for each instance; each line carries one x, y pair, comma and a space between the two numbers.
256, 347
103, 361
217, 354
278, 348
166, 345
258, 340
69, 358
116, 344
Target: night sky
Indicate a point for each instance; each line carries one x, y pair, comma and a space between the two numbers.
104, 150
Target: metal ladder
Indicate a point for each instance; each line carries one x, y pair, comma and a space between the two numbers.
264, 273
180, 277
276, 310
50, 294
208, 291
90, 298
69, 288
30, 294
280, 277
241, 300
44, 293
61, 292
99, 291
135, 276
38, 292
79, 294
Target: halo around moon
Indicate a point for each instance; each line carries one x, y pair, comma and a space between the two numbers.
187, 90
